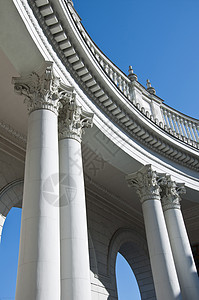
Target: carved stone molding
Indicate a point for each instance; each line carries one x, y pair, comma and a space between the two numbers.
73, 119
42, 89
171, 194
17, 135
147, 183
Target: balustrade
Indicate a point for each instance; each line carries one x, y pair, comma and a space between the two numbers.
180, 124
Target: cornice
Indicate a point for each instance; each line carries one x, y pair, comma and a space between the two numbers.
11, 131
12, 142
135, 121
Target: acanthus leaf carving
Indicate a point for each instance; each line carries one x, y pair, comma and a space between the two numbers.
73, 119
171, 194
42, 89
146, 181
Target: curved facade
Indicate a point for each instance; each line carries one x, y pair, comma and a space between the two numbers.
86, 132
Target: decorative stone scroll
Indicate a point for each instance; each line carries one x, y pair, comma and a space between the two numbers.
42, 89
147, 182
171, 194
73, 119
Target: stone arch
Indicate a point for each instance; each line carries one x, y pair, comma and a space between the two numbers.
130, 244
11, 195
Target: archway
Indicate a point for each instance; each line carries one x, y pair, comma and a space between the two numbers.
127, 287
9, 249
132, 246
10, 222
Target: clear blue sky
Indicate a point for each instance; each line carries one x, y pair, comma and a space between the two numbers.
160, 39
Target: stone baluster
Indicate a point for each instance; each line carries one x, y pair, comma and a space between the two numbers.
184, 262
115, 78
171, 122
197, 128
183, 127
75, 269
88, 42
107, 68
191, 130
111, 73
196, 133
175, 123
166, 118
102, 63
179, 125
124, 86
163, 115
38, 274
97, 57
164, 273
128, 91
187, 129
120, 82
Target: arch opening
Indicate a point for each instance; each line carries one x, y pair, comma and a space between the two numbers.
9, 251
127, 286
132, 246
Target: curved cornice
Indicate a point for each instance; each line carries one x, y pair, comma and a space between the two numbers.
13, 132
62, 27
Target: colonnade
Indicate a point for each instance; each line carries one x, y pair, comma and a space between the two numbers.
53, 255
173, 268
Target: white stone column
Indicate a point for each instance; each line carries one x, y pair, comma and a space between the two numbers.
38, 276
184, 262
162, 264
75, 266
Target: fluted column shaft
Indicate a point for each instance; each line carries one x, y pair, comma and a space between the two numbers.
162, 264
184, 262
75, 267
38, 275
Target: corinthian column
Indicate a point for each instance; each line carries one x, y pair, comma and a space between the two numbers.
146, 182
38, 276
75, 268
185, 266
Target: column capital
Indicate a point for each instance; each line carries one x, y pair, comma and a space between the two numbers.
147, 183
41, 89
73, 119
171, 194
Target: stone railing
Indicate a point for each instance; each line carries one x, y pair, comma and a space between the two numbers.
172, 121
180, 125
117, 76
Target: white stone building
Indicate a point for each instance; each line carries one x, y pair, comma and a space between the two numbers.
75, 220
